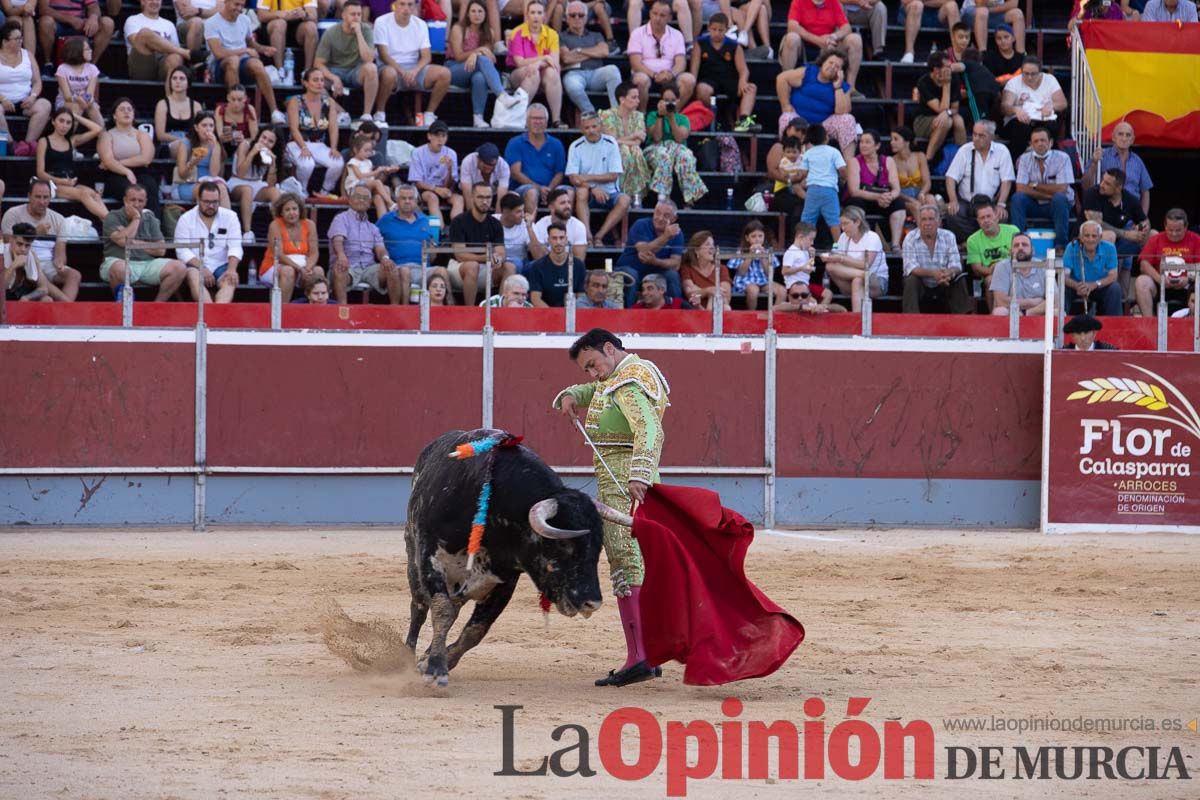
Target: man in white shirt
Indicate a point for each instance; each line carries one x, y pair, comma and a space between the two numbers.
559, 203
402, 39
1169, 11
152, 44
220, 231
518, 232
981, 168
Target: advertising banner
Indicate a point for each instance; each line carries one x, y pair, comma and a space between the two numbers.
1124, 434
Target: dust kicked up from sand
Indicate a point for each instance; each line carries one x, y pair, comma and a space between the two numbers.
373, 647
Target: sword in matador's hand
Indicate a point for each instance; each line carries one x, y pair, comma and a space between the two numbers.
600, 458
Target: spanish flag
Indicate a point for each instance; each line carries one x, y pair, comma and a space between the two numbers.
1147, 74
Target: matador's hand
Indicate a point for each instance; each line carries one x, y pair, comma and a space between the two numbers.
569, 407
637, 491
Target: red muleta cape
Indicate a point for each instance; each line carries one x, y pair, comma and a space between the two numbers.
697, 605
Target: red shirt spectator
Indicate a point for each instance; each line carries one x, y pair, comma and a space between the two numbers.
1160, 246
819, 20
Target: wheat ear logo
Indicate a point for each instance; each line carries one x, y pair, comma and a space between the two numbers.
1145, 395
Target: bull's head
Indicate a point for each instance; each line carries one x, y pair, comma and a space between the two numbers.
566, 550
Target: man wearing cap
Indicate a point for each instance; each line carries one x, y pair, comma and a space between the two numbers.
433, 169
1083, 329
485, 166
593, 168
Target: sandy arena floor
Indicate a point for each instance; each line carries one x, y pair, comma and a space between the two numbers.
173, 664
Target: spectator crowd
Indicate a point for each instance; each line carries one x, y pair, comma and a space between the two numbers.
589, 130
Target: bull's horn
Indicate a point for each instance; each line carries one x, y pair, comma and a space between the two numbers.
610, 514
539, 515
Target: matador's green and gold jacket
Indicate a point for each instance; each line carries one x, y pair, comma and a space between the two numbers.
626, 410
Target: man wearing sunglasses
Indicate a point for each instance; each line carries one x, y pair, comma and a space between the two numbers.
800, 299
658, 56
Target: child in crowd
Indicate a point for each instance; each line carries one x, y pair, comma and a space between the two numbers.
960, 40
361, 172
751, 268
789, 165
824, 168
434, 171
719, 64
78, 80
798, 260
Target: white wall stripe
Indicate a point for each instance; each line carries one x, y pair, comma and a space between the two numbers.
899, 344
518, 341
105, 335
312, 338
1100, 528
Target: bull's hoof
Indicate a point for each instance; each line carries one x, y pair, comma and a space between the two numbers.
432, 673
440, 681
641, 671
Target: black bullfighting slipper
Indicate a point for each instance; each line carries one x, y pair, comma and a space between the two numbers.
641, 671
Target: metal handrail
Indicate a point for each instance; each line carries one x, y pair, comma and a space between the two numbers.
1087, 121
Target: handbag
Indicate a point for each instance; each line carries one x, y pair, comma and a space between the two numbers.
511, 114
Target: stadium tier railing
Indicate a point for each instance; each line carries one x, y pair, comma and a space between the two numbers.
1087, 122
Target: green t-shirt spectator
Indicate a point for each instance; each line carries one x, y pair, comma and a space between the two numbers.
340, 49
148, 231
987, 250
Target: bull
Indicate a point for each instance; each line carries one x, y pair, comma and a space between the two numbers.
535, 525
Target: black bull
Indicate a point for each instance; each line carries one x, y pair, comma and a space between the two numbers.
535, 525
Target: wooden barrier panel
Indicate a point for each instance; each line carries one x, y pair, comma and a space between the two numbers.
873, 414
716, 417
340, 406
97, 404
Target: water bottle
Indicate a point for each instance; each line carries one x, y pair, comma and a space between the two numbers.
729, 199
435, 229
289, 67
712, 106
637, 200
4, 141
252, 278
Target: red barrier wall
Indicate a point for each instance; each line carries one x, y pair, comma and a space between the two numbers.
715, 418
84, 404
909, 415
336, 406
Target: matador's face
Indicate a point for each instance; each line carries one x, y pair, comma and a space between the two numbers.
599, 364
